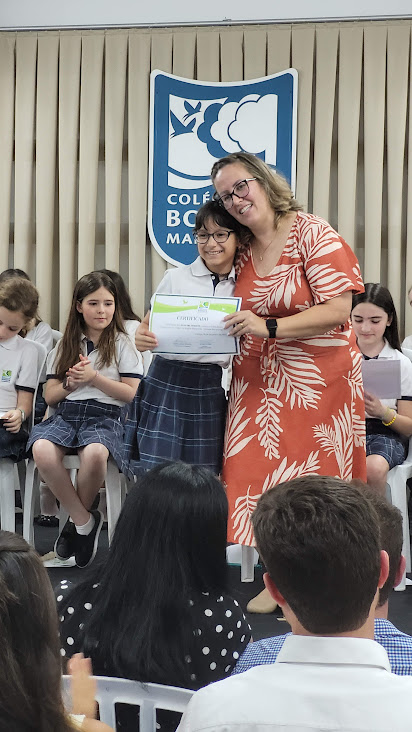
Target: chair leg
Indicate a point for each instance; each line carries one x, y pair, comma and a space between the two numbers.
113, 496
31, 492
247, 568
7, 498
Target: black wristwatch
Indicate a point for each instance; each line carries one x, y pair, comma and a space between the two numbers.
272, 326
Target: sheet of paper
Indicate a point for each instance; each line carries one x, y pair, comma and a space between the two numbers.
382, 378
193, 325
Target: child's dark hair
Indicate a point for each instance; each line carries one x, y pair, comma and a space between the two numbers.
221, 217
378, 295
123, 296
7, 274
19, 295
70, 345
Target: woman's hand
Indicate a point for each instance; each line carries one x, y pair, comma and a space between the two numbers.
13, 420
375, 408
244, 322
83, 686
144, 339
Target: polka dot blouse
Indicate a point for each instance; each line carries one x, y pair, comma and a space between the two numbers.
220, 633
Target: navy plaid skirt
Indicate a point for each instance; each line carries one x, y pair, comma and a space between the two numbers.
13, 445
77, 424
391, 448
178, 413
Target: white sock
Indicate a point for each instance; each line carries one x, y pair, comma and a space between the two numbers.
87, 527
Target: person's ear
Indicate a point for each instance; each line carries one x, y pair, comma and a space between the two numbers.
78, 306
383, 576
400, 571
273, 590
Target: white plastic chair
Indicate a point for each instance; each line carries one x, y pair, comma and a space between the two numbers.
396, 481
57, 334
148, 697
115, 494
11, 473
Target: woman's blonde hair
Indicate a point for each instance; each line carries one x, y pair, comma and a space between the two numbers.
274, 184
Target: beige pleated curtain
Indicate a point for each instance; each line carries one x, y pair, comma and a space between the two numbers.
74, 143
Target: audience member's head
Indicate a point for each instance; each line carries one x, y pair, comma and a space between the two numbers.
390, 524
320, 541
169, 546
379, 295
30, 675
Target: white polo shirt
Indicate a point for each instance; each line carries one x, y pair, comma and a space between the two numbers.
315, 684
196, 279
18, 370
128, 364
392, 354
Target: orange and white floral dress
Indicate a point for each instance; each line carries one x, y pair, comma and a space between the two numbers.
295, 406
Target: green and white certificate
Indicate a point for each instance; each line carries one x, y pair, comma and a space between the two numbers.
190, 324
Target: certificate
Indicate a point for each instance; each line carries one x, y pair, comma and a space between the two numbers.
382, 378
191, 324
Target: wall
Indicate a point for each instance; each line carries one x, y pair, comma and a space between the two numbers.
89, 13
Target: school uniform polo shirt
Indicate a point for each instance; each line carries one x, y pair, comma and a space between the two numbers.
18, 370
197, 279
315, 684
128, 365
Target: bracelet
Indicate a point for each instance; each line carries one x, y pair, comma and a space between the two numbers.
23, 413
388, 424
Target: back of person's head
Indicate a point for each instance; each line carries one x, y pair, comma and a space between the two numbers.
123, 296
319, 538
30, 671
13, 272
378, 295
70, 345
169, 546
18, 294
390, 525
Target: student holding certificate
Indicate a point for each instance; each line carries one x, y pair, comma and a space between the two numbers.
180, 410
388, 421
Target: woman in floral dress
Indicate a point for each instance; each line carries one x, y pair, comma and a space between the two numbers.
296, 400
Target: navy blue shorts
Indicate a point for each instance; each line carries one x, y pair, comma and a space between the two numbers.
13, 444
390, 448
77, 424
178, 413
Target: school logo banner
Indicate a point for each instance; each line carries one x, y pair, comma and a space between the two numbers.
193, 124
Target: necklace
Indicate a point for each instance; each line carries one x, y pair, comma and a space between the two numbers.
266, 248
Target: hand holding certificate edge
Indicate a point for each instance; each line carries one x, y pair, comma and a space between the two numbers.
243, 322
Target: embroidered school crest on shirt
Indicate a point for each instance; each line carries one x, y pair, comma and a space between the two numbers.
193, 124
6, 376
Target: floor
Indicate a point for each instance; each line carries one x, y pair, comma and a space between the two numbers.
263, 626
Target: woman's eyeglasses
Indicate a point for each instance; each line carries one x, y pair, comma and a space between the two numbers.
240, 190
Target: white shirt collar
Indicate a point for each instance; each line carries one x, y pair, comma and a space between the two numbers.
12, 343
341, 651
386, 351
199, 269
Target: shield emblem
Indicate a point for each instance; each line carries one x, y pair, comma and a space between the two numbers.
193, 124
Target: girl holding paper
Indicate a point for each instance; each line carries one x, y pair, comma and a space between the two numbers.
179, 410
388, 421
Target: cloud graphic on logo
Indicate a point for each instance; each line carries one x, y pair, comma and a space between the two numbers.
249, 124
254, 127
204, 131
